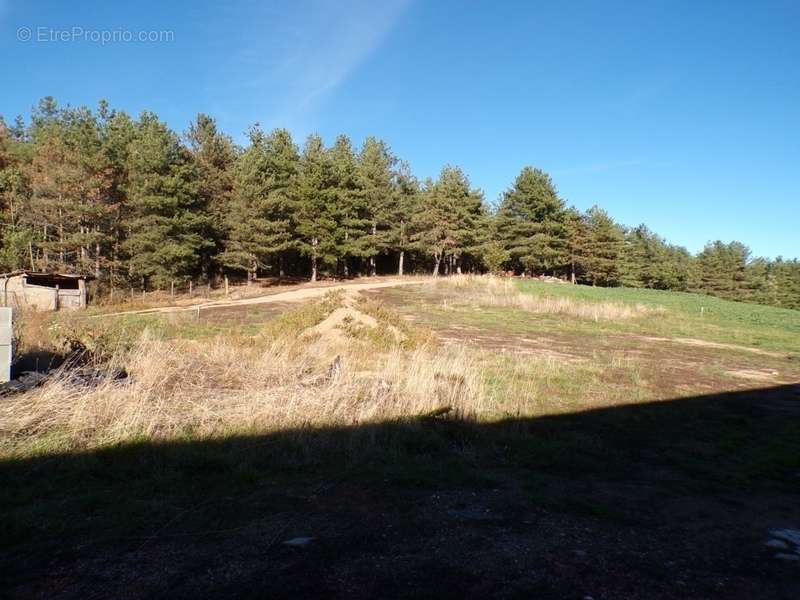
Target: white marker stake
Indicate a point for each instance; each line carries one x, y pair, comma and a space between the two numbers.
6, 343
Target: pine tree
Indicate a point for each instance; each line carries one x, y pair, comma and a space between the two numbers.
375, 163
473, 228
168, 226
406, 204
785, 282
260, 221
648, 261
531, 223
354, 240
637, 255
100, 192
118, 133
214, 156
723, 268
316, 212
494, 257
89, 214
70, 182
603, 248
450, 216
16, 239
577, 242
677, 268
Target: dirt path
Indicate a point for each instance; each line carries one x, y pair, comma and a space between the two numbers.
293, 295
707, 344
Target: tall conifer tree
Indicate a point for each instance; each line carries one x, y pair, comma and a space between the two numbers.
531, 223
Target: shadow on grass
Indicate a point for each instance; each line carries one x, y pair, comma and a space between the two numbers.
37, 360
664, 500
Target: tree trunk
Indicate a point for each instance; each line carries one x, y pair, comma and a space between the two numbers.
373, 270
314, 244
400, 262
281, 268
97, 259
44, 245
436, 265
61, 255
346, 268
84, 251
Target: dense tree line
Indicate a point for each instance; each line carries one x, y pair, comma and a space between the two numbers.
133, 203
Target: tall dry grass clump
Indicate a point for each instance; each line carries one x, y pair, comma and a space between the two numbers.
495, 291
179, 389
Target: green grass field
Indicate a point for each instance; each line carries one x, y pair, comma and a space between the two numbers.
693, 315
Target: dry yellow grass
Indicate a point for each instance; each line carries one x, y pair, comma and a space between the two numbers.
295, 375
180, 388
495, 291
213, 388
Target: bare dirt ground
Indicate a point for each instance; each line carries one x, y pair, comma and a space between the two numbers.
707, 344
299, 294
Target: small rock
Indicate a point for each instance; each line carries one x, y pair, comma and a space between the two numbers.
299, 541
779, 544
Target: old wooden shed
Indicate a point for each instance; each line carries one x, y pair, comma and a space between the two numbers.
43, 291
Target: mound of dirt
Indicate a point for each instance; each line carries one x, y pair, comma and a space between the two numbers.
339, 328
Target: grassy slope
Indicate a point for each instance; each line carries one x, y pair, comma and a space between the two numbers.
692, 315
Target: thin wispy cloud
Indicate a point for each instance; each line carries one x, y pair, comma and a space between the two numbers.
302, 54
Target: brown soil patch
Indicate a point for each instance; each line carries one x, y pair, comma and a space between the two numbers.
755, 374
542, 347
294, 295
707, 344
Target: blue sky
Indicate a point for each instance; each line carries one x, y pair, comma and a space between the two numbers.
681, 115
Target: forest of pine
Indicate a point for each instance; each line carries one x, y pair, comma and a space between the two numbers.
134, 203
